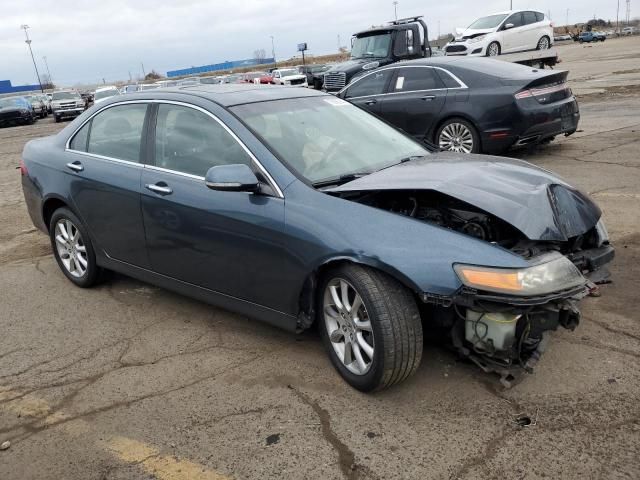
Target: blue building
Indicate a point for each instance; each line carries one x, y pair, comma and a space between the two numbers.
6, 87
219, 66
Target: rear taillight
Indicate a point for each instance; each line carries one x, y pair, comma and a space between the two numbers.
23, 168
542, 93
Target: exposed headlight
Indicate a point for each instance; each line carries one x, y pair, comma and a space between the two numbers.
476, 39
603, 234
552, 272
287, 82
80, 103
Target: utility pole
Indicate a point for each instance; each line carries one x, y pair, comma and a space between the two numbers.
273, 53
144, 74
438, 29
567, 20
48, 72
511, 5
339, 42
618, 18
395, 9
28, 42
130, 79
628, 11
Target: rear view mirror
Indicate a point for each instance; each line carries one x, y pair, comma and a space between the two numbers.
508, 26
232, 178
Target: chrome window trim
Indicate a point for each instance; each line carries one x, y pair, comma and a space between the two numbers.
461, 84
276, 188
108, 159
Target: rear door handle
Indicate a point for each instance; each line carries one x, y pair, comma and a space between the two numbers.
371, 102
428, 98
75, 166
162, 189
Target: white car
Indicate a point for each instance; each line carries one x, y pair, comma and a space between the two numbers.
103, 93
289, 76
504, 32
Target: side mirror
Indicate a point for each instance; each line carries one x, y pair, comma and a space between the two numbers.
508, 26
232, 178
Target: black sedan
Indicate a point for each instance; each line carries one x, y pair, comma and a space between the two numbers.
469, 105
16, 111
295, 207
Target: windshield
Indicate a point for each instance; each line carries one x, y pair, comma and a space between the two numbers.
371, 46
12, 102
288, 72
324, 138
492, 21
106, 93
65, 95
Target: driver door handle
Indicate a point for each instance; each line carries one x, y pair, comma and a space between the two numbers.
428, 98
75, 166
162, 189
373, 101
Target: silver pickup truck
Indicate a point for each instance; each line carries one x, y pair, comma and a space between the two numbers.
67, 103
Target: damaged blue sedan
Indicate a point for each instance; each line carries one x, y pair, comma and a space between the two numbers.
297, 208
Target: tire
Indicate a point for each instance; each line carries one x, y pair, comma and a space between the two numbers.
393, 329
77, 245
57, 118
544, 43
453, 136
493, 49
580, 41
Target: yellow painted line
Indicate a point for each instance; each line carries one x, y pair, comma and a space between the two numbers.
164, 467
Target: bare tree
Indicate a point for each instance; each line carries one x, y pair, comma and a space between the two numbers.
152, 75
259, 55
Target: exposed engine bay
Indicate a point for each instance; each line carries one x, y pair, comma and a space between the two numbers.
501, 334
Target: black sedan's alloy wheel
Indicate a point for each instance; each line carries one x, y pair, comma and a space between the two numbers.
458, 135
370, 326
73, 249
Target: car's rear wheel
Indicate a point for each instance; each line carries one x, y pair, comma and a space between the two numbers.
493, 50
370, 326
458, 135
543, 43
57, 118
73, 249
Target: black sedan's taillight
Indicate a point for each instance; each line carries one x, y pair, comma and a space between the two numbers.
548, 94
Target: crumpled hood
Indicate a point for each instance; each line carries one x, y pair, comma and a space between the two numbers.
473, 32
536, 202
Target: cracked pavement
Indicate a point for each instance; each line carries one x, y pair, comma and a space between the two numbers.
127, 380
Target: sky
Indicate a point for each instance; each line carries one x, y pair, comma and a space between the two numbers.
86, 41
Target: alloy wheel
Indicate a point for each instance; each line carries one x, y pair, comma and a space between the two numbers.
71, 248
543, 43
494, 50
349, 326
456, 137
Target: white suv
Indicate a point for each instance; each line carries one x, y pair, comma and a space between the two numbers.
504, 32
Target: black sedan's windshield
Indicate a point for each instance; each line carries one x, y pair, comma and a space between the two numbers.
13, 102
371, 46
326, 138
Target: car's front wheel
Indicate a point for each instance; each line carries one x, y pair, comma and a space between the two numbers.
370, 326
493, 50
458, 135
73, 249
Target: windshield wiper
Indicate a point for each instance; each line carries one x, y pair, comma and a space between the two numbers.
403, 160
347, 177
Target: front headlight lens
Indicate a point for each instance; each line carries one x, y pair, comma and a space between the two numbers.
551, 273
477, 39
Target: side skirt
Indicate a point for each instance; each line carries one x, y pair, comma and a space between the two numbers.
227, 302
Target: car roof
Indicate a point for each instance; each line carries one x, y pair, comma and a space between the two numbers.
230, 94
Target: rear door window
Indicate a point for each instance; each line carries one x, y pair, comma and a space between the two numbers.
529, 18
539, 16
373, 84
117, 132
410, 79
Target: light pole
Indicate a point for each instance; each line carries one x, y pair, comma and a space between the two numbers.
28, 42
273, 53
48, 72
618, 18
395, 9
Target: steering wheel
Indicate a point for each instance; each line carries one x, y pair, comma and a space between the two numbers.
330, 152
